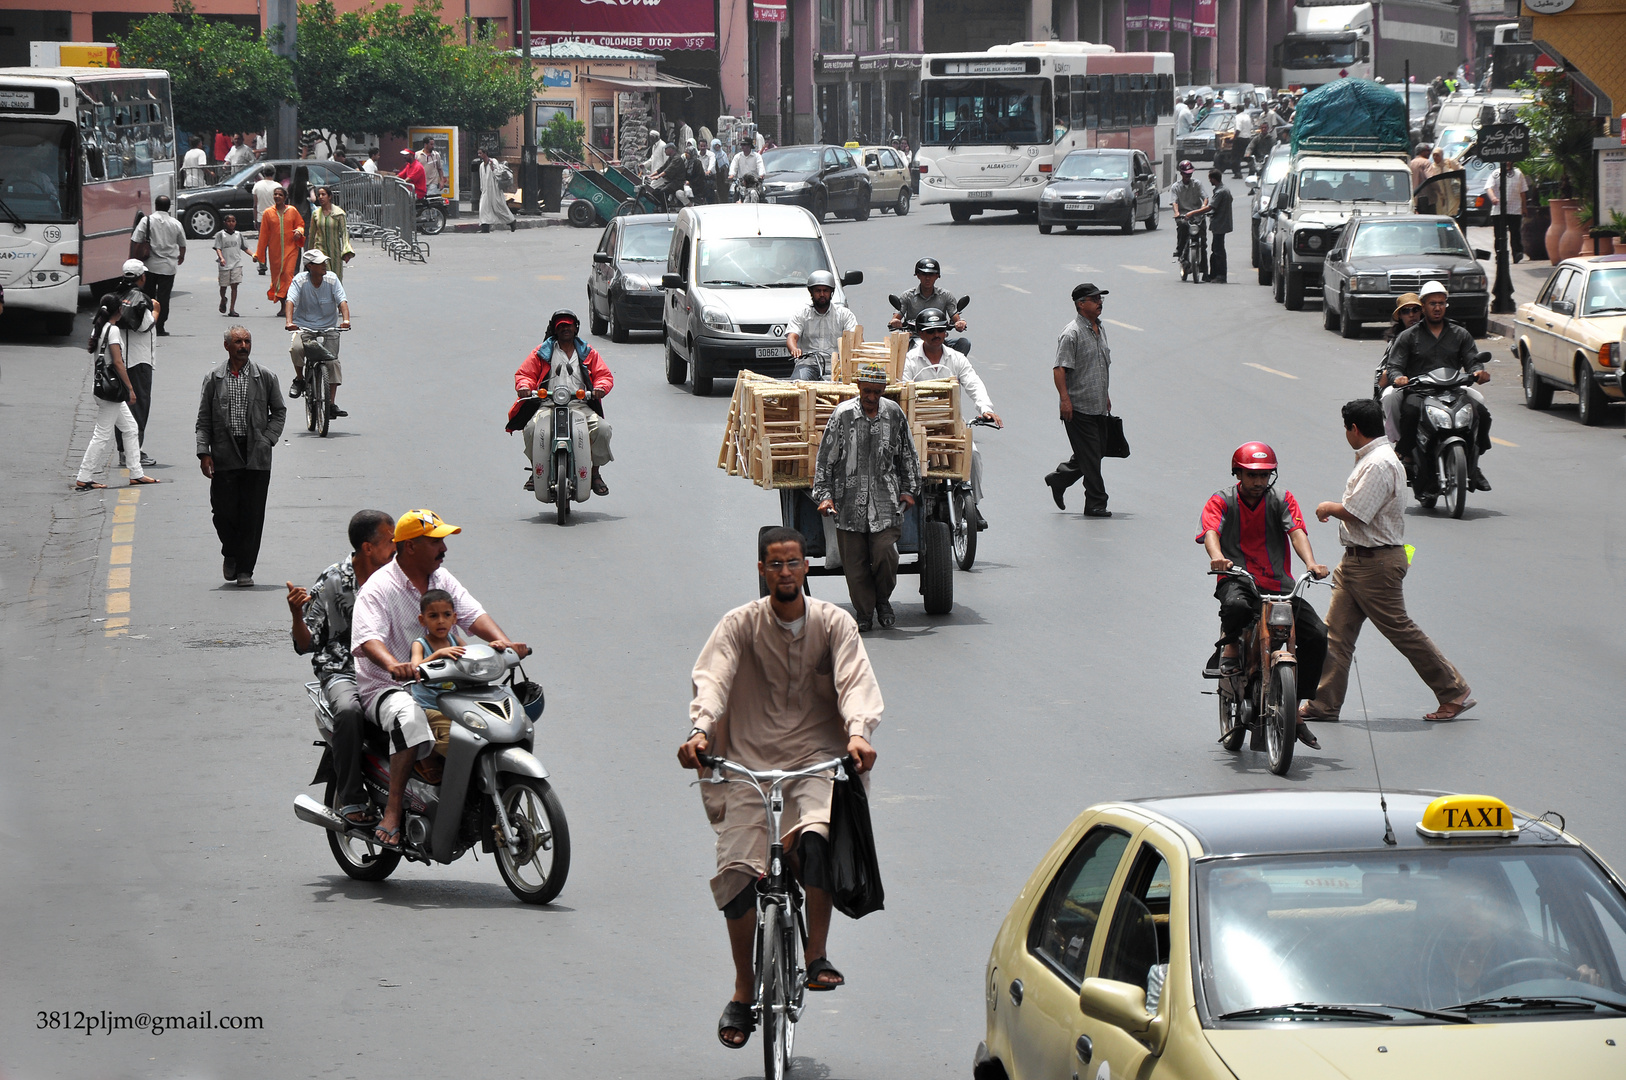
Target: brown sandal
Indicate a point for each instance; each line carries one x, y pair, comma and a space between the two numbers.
146, 480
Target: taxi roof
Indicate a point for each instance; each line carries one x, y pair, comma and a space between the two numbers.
1274, 822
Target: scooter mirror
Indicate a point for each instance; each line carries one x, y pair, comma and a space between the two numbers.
894, 301
965, 302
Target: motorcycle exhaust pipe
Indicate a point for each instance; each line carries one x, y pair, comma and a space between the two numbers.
308, 809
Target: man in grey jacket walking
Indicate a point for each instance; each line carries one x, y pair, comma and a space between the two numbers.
240, 417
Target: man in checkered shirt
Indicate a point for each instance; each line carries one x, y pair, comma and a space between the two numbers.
384, 624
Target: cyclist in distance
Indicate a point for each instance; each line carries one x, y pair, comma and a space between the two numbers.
782, 683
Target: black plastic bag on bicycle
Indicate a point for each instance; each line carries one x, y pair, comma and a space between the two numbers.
854, 868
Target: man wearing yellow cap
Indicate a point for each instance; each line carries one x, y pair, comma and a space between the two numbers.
382, 628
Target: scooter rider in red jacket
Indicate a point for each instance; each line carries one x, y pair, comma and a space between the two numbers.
564, 359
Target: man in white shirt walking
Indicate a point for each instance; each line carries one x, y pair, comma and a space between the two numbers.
166, 251
1367, 582
192, 164
1512, 214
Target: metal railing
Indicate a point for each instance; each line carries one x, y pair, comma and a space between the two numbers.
382, 209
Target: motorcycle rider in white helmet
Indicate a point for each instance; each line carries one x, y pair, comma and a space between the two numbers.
814, 333
930, 359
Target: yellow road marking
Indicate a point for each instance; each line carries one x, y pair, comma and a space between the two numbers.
1143, 269
1015, 288
491, 277
1272, 370
118, 577
121, 554
1125, 325
549, 277
118, 603
1504, 442
123, 534
124, 512
118, 573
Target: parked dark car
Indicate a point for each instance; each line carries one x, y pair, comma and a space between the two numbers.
1100, 187
1378, 258
824, 179
1211, 140
1260, 189
201, 210
624, 287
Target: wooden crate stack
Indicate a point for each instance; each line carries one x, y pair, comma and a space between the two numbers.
854, 351
774, 428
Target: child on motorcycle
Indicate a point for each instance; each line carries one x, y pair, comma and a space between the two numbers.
439, 642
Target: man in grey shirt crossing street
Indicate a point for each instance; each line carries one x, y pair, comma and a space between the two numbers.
1082, 370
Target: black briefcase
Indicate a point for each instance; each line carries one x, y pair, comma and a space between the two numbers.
1113, 443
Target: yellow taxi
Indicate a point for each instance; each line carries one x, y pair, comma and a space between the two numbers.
1569, 336
888, 177
1307, 935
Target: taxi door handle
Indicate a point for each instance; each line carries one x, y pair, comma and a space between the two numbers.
1016, 991
1084, 1048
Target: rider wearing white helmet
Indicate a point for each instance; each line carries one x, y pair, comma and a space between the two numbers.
929, 359
814, 332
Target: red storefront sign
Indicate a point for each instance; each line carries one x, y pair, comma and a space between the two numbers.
644, 25
1205, 19
1157, 15
1180, 16
769, 11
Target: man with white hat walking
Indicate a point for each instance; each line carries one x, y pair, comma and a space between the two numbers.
867, 474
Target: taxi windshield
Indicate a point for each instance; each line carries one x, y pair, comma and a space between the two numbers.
1453, 930
761, 262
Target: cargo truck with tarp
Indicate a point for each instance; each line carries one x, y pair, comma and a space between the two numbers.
1333, 41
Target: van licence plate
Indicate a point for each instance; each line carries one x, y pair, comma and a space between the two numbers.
1078, 206
771, 351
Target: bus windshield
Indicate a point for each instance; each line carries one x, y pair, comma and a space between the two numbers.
36, 170
986, 112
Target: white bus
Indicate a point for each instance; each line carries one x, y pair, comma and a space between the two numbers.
83, 154
994, 123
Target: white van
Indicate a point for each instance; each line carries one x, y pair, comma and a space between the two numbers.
735, 275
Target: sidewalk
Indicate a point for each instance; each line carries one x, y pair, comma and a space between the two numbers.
468, 220
1528, 276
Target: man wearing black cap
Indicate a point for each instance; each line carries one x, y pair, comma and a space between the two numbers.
1082, 367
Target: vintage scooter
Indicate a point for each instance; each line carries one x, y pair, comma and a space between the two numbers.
1447, 425
493, 792
562, 455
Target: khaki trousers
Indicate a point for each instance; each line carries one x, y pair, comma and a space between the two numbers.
1368, 586
870, 562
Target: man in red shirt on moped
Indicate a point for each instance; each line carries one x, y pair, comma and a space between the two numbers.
1253, 527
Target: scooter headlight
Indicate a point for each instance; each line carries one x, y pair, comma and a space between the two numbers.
1464, 416
560, 395
1439, 417
486, 668
474, 720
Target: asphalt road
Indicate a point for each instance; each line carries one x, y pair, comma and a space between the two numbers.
153, 862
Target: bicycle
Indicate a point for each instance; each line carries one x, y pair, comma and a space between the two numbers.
781, 977
318, 361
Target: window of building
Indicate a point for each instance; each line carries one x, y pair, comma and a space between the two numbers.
829, 32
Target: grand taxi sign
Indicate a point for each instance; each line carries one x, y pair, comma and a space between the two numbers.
1454, 816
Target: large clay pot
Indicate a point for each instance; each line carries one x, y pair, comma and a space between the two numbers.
1533, 231
1555, 229
1575, 234
1606, 245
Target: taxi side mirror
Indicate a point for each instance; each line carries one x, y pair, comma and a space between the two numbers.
1123, 1006
601, 257
671, 281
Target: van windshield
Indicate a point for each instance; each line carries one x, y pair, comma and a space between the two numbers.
1356, 185
760, 262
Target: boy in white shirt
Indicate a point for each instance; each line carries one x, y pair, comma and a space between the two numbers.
229, 254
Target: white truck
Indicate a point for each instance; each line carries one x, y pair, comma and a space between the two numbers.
1331, 41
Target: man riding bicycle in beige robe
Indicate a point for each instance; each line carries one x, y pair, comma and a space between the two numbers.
782, 683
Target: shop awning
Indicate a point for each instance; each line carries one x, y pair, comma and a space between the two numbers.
1601, 105
653, 82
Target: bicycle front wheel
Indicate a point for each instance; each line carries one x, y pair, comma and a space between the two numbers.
319, 394
773, 997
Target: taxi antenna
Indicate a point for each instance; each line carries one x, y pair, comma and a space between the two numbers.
1383, 803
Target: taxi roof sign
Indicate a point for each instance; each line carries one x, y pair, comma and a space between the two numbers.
1457, 816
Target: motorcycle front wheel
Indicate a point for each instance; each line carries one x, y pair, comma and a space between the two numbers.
538, 872
1456, 480
431, 219
965, 533
1282, 718
358, 859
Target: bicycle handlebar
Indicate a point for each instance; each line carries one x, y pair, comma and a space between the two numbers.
329, 330
1304, 580
777, 776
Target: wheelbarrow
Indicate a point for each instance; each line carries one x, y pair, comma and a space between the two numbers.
596, 199
930, 540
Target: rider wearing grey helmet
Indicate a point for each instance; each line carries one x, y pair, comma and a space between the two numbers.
814, 332
928, 295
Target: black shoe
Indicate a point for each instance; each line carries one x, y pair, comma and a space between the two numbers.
485, 228
885, 614
296, 388
1057, 490
512, 225
866, 623
1477, 481
228, 569
1098, 513
530, 483
334, 412
161, 332
1307, 737
978, 522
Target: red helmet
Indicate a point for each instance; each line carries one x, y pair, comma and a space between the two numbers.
1254, 457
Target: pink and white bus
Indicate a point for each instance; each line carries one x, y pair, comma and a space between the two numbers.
83, 154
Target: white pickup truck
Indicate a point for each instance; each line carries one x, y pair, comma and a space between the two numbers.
1313, 202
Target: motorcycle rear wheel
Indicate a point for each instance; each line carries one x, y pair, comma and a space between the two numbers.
1282, 718
536, 813
1232, 729
360, 860
965, 533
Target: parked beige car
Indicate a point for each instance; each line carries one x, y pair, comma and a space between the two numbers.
1569, 336
888, 176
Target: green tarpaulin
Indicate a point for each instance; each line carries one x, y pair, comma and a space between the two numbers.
1351, 116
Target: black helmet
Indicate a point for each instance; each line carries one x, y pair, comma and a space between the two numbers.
563, 316
931, 319
928, 266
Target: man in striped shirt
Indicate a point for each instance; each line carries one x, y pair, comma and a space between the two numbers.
384, 624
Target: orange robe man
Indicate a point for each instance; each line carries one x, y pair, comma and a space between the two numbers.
282, 235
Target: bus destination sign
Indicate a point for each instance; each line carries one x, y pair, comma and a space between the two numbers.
17, 100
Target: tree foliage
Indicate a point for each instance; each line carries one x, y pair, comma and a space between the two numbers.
1560, 138
222, 78
387, 68
564, 134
